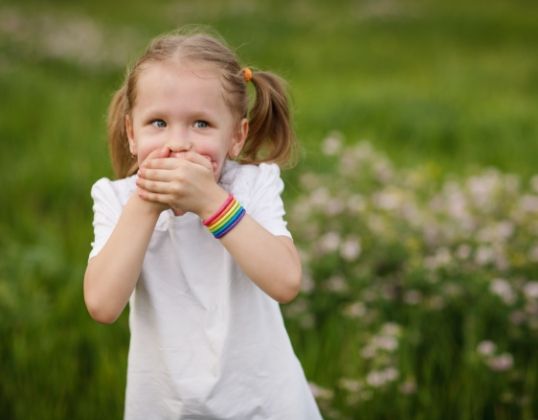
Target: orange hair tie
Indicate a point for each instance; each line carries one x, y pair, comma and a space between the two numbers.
247, 74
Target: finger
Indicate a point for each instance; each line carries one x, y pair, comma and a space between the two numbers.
162, 152
161, 163
155, 174
154, 197
157, 187
191, 153
202, 160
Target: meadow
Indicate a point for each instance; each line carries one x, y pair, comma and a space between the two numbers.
414, 202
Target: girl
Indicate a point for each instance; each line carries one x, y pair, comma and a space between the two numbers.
193, 236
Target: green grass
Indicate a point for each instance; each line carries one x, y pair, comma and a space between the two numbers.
452, 86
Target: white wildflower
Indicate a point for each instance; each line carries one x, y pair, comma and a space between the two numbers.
504, 229
517, 317
483, 187
375, 378
496, 232
503, 289
321, 393
531, 308
390, 199
408, 387
351, 385
383, 170
391, 328
463, 252
511, 183
412, 214
501, 259
309, 180
348, 164
385, 342
334, 207
486, 348
412, 297
531, 289
307, 283
377, 225
452, 290
301, 210
368, 352
534, 183
329, 242
356, 203
364, 150
296, 308
484, 255
529, 203
350, 248
319, 197
337, 284
501, 363
456, 203
332, 144
355, 310
378, 378
442, 258
391, 374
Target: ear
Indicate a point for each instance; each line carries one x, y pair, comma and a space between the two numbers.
239, 139
130, 134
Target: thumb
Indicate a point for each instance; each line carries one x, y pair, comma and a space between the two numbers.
163, 152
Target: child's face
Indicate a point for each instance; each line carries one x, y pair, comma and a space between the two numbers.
183, 107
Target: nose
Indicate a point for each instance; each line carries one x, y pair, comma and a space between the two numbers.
179, 142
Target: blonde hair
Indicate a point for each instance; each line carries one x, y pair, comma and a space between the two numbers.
270, 137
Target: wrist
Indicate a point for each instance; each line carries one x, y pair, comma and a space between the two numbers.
213, 202
225, 218
144, 207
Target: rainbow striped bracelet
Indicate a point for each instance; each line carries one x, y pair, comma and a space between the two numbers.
225, 218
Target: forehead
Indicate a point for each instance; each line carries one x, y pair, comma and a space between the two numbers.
194, 83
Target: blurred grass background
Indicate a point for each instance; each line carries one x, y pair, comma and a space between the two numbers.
450, 85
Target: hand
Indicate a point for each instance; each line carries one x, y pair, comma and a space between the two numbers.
183, 182
157, 207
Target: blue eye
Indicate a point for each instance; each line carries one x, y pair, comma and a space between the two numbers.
158, 123
201, 124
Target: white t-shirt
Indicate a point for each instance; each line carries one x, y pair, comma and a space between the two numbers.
206, 342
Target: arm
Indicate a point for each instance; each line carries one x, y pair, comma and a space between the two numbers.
272, 262
112, 274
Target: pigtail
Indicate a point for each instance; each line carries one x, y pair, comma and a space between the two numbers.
271, 137
123, 163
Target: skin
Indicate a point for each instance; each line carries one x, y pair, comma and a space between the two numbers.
182, 131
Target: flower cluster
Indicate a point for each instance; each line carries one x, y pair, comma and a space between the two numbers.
60, 36
389, 252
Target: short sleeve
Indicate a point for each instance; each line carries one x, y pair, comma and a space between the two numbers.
106, 212
265, 204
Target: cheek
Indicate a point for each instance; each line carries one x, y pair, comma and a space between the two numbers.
214, 154
145, 147
142, 154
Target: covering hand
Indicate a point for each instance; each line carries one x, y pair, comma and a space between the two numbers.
181, 181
